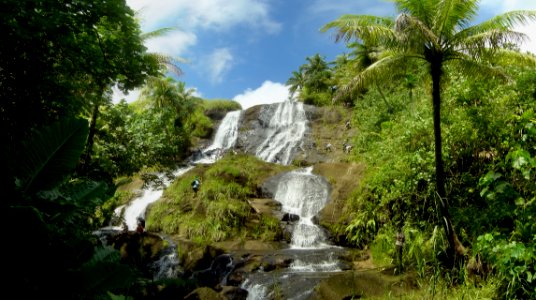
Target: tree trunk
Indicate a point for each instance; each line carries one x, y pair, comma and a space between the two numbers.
93, 128
91, 135
389, 106
455, 246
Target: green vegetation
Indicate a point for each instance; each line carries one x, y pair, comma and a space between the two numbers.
219, 210
476, 172
465, 160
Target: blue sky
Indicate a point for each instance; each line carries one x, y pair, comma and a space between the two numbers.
247, 49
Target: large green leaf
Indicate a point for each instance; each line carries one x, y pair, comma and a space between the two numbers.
50, 154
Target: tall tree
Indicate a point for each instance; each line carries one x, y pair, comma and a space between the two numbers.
56, 55
296, 82
316, 72
437, 33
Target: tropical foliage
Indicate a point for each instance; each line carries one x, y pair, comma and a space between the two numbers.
465, 160
312, 81
438, 34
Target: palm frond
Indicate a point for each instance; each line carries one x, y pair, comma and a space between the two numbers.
170, 62
507, 57
385, 69
492, 39
511, 19
156, 33
474, 68
413, 33
424, 9
51, 154
505, 21
83, 192
452, 15
361, 27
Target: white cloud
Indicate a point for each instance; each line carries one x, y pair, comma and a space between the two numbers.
268, 92
508, 5
175, 42
340, 7
118, 95
212, 14
530, 43
219, 62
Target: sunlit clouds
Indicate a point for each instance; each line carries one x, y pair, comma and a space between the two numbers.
268, 92
228, 47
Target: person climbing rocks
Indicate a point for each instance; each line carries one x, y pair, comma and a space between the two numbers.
141, 225
195, 184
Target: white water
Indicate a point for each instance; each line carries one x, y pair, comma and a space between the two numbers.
136, 208
225, 139
304, 194
300, 193
285, 133
227, 132
256, 291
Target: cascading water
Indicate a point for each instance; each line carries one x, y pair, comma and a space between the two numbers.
225, 138
285, 133
304, 194
301, 194
227, 131
136, 208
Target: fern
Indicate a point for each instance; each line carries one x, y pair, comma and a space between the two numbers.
49, 155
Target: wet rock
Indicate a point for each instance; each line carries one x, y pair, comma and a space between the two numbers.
194, 257
217, 273
269, 186
270, 263
290, 218
138, 249
234, 293
236, 277
287, 233
204, 293
355, 285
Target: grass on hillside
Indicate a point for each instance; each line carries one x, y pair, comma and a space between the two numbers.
219, 211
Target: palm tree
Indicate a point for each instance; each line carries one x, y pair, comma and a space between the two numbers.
168, 94
296, 82
316, 73
436, 33
364, 55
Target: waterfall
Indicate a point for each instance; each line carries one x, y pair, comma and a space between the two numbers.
227, 131
136, 208
304, 194
225, 138
285, 133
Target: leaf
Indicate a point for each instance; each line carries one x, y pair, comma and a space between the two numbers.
520, 158
520, 201
51, 154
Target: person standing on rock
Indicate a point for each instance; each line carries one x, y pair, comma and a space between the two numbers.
400, 240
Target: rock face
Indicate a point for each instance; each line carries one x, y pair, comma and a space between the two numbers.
326, 126
210, 266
